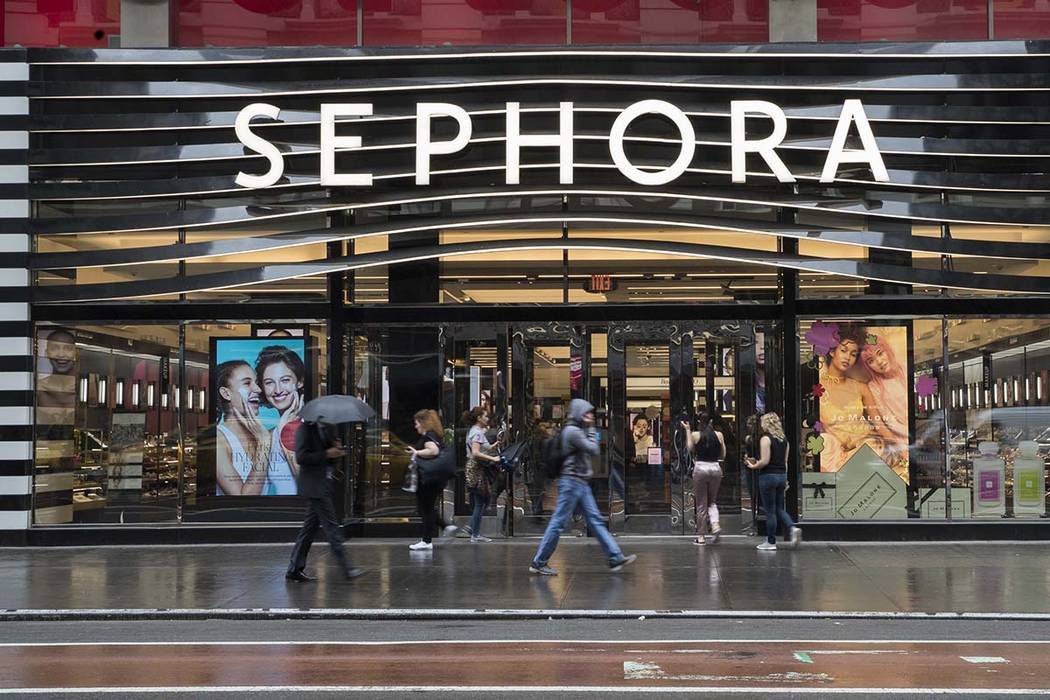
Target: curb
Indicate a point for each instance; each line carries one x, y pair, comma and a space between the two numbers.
423, 614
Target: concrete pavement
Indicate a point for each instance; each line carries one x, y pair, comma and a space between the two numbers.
671, 575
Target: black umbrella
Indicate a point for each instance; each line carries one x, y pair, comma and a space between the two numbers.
337, 408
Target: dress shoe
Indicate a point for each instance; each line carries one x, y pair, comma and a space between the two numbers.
300, 577
354, 573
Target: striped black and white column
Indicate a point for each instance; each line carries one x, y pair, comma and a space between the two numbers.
16, 344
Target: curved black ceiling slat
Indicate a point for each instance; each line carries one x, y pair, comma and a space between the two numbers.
276, 272
262, 90
118, 59
914, 207
893, 240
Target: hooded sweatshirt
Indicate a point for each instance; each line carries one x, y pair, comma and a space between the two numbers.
579, 442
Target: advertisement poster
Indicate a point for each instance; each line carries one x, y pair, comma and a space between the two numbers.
56, 371
642, 440
127, 438
862, 393
259, 388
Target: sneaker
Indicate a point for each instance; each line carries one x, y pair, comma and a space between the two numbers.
542, 570
449, 531
796, 537
700, 541
767, 547
619, 564
421, 546
716, 534
479, 538
353, 573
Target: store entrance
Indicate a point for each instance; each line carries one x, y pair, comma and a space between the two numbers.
661, 376
644, 380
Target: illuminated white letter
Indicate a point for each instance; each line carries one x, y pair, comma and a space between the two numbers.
330, 142
853, 111
424, 148
563, 140
619, 128
242, 127
740, 146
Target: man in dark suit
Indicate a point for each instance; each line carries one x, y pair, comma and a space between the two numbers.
316, 449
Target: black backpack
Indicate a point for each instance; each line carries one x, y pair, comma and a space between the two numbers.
552, 456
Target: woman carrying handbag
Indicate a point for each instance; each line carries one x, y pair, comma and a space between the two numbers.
482, 465
436, 465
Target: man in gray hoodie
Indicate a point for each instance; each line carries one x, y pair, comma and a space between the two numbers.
579, 441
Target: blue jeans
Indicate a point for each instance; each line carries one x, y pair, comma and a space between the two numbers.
772, 487
572, 491
478, 502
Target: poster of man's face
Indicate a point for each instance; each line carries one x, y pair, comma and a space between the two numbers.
56, 369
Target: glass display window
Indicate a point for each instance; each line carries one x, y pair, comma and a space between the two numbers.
872, 431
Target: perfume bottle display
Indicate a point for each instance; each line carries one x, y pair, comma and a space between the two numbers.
989, 478
1029, 480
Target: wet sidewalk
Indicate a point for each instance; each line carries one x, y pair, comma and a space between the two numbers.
670, 574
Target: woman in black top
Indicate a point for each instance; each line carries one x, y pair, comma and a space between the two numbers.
772, 481
431, 438
707, 447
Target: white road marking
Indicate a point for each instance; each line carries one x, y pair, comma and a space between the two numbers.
648, 671
834, 652
684, 690
640, 669
985, 659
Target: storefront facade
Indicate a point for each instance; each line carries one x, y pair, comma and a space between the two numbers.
199, 240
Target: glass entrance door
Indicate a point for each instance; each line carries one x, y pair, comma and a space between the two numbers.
648, 391
550, 368
659, 376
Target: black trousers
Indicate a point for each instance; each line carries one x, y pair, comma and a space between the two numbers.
427, 496
320, 515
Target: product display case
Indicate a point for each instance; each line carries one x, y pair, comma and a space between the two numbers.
89, 476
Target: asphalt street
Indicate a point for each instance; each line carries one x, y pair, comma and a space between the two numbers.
526, 658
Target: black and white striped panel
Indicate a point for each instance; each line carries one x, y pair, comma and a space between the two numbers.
16, 346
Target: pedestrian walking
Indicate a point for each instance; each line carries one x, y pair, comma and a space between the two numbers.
707, 447
577, 443
431, 481
773, 451
482, 461
316, 449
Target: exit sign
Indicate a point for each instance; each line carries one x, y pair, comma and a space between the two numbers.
599, 284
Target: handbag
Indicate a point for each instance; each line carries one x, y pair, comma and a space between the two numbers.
439, 468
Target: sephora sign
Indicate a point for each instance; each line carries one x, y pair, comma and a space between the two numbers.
426, 148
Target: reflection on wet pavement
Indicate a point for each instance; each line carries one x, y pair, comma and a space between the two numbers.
670, 574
